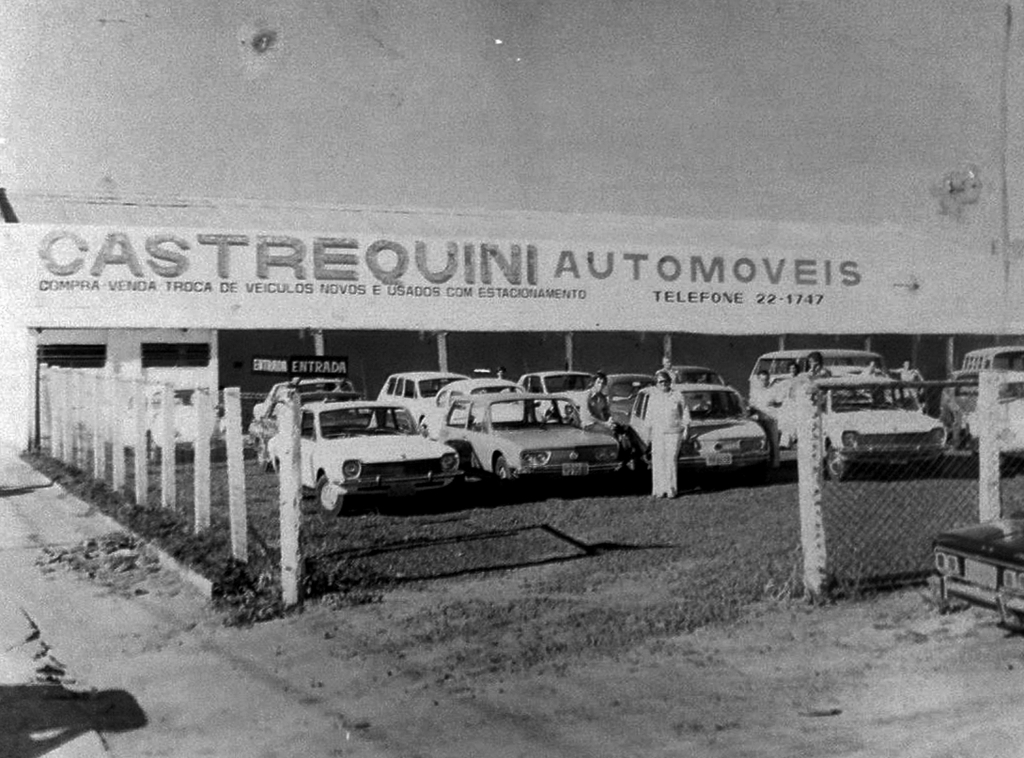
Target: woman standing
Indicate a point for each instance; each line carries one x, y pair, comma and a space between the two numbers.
670, 420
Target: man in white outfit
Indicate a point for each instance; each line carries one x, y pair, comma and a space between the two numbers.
670, 421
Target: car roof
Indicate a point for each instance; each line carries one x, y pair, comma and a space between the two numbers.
631, 377
850, 379
518, 396
416, 375
826, 352
480, 381
690, 367
325, 405
695, 387
567, 372
996, 350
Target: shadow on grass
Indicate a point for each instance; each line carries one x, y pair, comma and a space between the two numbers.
385, 564
39, 718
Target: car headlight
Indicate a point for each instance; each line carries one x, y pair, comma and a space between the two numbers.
449, 461
535, 458
946, 564
351, 469
937, 437
605, 454
850, 439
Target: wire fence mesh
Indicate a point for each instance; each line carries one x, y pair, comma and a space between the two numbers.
890, 480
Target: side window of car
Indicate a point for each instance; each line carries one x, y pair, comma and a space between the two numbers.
457, 415
410, 388
534, 385
307, 430
641, 406
476, 421
389, 388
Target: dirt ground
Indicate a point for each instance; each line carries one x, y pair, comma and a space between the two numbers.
523, 661
881, 676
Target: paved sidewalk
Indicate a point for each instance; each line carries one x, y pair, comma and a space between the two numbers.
41, 714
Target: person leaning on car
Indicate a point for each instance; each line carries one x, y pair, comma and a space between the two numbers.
669, 418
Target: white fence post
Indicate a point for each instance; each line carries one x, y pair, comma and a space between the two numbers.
290, 496
168, 484
141, 457
236, 474
46, 408
67, 417
989, 507
201, 458
808, 461
99, 438
117, 443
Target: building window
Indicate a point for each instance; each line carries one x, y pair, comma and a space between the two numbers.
73, 356
175, 354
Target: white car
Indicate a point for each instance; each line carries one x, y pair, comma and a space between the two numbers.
462, 388
551, 382
722, 435
365, 447
417, 391
875, 420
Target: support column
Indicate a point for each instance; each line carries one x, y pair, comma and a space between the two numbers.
442, 351
950, 355
666, 348
782, 342
568, 351
318, 342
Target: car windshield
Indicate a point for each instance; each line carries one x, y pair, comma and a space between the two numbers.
348, 422
493, 389
533, 413
873, 398
566, 382
697, 376
628, 387
324, 387
853, 361
430, 387
705, 405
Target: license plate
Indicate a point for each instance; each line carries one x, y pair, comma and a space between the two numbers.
575, 469
719, 459
982, 574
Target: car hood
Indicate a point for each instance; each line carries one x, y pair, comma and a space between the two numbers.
722, 429
532, 439
384, 448
1002, 539
881, 422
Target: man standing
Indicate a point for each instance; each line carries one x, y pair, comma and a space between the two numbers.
670, 422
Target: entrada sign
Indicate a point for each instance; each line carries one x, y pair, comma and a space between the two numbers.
301, 365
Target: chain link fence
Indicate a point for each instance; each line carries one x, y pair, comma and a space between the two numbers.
889, 465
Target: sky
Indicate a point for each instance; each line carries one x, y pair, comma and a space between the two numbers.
811, 112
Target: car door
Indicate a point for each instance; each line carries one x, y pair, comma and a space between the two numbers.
453, 431
638, 423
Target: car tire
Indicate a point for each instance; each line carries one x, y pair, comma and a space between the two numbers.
501, 468
837, 467
329, 500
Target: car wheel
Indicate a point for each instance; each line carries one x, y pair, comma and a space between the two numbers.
501, 468
837, 467
329, 496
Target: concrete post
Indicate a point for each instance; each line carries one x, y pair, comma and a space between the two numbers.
168, 484
99, 438
117, 441
139, 441
568, 351
808, 459
236, 474
290, 497
442, 351
989, 505
201, 458
666, 347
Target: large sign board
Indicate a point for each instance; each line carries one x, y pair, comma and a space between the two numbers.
300, 365
792, 281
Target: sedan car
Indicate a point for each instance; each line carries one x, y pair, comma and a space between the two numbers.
875, 420
983, 565
366, 447
526, 435
722, 434
417, 390
264, 414
434, 420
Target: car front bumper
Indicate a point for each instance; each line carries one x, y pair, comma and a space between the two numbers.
723, 461
890, 454
569, 471
1008, 604
396, 485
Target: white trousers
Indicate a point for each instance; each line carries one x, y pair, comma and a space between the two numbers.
665, 463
